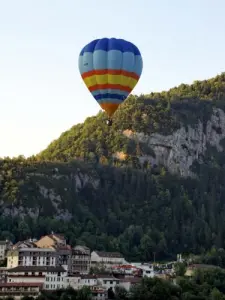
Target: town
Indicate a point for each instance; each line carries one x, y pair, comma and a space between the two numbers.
51, 264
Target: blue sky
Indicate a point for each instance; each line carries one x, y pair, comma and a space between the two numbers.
41, 92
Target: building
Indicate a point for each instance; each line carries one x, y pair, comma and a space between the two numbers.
107, 281
51, 278
51, 240
3, 274
73, 281
99, 293
63, 256
57, 242
17, 290
106, 259
31, 257
80, 260
30, 243
4, 247
128, 282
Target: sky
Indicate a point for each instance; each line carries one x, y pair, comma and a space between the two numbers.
41, 91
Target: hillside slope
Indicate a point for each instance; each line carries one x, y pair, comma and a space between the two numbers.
140, 208
170, 128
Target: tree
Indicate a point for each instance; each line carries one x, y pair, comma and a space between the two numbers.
180, 269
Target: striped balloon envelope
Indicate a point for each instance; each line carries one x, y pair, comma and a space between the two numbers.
110, 68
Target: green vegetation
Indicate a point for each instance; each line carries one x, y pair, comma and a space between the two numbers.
158, 112
137, 210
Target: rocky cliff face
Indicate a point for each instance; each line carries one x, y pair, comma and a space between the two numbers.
179, 150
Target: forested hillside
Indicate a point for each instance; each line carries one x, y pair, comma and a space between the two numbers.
93, 185
158, 112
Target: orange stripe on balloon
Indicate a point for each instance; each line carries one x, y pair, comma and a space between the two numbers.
109, 86
110, 108
111, 72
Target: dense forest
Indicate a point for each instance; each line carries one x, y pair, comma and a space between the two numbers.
78, 186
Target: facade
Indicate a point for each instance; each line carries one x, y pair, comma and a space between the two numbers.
129, 282
63, 256
108, 281
51, 278
73, 281
78, 281
4, 247
57, 242
19, 290
80, 260
106, 259
31, 257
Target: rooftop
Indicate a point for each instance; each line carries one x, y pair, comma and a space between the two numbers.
105, 276
109, 254
36, 269
21, 284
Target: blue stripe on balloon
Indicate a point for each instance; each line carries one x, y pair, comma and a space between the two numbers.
111, 96
110, 44
110, 91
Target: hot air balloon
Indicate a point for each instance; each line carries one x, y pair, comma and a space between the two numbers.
110, 68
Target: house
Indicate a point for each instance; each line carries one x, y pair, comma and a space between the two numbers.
147, 270
129, 282
107, 281
3, 274
80, 260
106, 259
88, 280
57, 242
63, 256
51, 240
72, 281
50, 277
77, 281
4, 247
99, 293
31, 257
30, 243
17, 290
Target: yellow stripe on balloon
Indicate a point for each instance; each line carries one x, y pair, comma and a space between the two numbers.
110, 79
